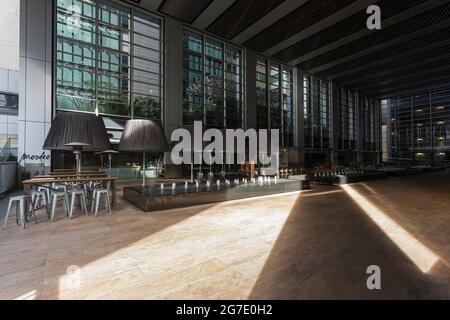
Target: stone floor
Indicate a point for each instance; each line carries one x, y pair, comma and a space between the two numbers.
311, 245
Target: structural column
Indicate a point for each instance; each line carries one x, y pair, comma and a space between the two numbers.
35, 83
299, 125
173, 72
334, 124
250, 89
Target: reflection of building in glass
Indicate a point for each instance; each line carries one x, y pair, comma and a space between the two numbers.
212, 82
110, 63
275, 99
420, 126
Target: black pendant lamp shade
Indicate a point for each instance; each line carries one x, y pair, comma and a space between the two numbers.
70, 130
143, 136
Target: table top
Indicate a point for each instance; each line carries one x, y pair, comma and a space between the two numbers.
56, 180
70, 174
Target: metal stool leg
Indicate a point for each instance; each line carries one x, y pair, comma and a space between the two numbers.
93, 202
17, 213
7, 214
33, 213
22, 213
54, 198
84, 203
97, 202
109, 203
66, 204
72, 205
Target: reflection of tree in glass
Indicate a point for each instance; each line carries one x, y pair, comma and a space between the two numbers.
83, 98
146, 107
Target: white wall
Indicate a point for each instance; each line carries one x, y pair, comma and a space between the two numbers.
35, 82
9, 34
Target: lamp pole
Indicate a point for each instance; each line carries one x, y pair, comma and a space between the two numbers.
143, 169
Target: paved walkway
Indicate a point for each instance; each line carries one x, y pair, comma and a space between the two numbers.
313, 245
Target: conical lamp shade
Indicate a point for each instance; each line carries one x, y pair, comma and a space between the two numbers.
77, 129
143, 136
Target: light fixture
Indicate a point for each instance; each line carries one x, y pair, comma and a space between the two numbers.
77, 132
143, 136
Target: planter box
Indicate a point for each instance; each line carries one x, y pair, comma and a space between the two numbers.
153, 199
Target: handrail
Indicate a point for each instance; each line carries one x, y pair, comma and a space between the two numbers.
7, 151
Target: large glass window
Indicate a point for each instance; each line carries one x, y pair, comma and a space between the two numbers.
275, 99
108, 59
316, 113
347, 108
212, 83
420, 126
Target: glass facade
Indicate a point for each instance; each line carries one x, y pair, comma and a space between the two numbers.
420, 126
346, 111
316, 113
275, 99
212, 82
108, 59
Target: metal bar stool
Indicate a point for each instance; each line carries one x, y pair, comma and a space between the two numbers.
78, 193
40, 199
58, 195
20, 203
98, 193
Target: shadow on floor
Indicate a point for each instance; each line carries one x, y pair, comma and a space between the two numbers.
326, 246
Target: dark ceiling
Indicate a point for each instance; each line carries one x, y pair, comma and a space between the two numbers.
329, 38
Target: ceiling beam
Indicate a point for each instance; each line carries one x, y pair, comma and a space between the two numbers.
413, 86
429, 87
323, 24
405, 77
278, 13
385, 45
390, 59
366, 32
384, 73
152, 5
211, 13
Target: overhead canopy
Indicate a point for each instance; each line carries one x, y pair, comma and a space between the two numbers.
143, 136
330, 38
70, 130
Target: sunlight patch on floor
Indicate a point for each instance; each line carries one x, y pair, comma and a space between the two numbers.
422, 257
31, 295
184, 254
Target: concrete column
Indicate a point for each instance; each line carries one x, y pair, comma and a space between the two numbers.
173, 86
359, 106
250, 90
334, 124
299, 109
173, 104
35, 83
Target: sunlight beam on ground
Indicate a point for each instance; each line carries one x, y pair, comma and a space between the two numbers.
422, 257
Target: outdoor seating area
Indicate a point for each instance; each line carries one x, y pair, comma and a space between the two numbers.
68, 192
